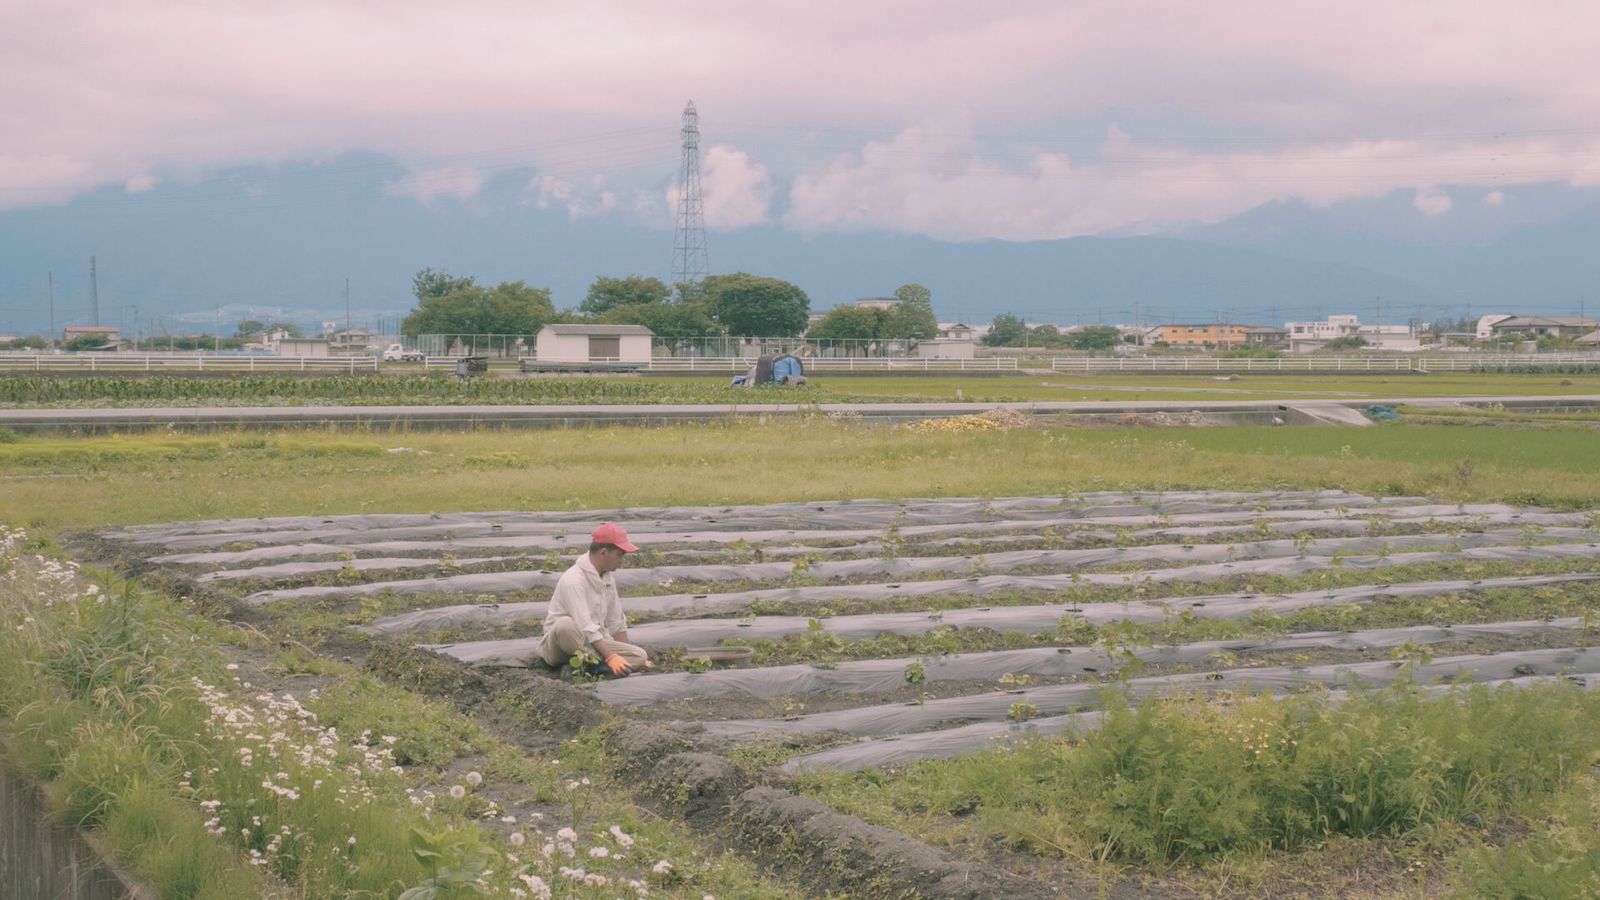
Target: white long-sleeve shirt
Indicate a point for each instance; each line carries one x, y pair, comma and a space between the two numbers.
589, 599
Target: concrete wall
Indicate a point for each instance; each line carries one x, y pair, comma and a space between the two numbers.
947, 349
38, 860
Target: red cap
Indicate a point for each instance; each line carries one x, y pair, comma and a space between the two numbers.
612, 533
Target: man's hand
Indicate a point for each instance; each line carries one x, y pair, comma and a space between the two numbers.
617, 665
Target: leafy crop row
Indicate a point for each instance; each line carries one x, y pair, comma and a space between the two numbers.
279, 390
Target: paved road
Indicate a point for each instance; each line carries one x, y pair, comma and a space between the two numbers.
1293, 411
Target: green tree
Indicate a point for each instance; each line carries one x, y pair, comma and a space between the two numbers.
248, 328
289, 328
1045, 335
607, 294
850, 322
666, 320
752, 306
432, 282
510, 307
86, 342
912, 318
1351, 342
1095, 337
1006, 330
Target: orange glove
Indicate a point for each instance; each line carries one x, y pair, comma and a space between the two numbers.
617, 664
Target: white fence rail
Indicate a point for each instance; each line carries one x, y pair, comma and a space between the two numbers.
1201, 364
199, 362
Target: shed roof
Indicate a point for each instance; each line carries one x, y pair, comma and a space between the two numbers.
598, 329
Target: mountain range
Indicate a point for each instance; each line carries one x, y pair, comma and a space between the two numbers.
280, 244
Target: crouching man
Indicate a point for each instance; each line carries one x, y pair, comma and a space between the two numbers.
585, 611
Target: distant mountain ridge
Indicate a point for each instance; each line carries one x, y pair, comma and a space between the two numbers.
200, 247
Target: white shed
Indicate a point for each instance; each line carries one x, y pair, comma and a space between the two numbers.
593, 343
312, 347
947, 348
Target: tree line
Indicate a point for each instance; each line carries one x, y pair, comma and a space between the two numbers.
1008, 330
739, 305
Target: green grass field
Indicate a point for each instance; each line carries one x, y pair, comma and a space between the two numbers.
64, 483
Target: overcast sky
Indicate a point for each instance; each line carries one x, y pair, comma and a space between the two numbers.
1020, 120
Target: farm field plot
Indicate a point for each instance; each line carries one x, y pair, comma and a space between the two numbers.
30, 391
920, 662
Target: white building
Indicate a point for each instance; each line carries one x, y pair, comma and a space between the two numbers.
314, 347
1304, 337
947, 348
1486, 325
593, 343
884, 303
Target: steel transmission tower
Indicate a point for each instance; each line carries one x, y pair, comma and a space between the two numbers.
689, 263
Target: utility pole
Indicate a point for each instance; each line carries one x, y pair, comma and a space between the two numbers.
94, 293
1378, 301
51, 277
347, 307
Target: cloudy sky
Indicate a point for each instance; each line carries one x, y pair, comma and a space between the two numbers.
957, 121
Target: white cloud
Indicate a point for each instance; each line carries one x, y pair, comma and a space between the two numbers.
427, 186
737, 190
1236, 102
941, 183
139, 184
547, 191
1430, 201
1495, 198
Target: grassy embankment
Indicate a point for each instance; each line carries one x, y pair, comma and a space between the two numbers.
214, 782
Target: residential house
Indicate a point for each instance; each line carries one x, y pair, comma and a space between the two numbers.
1266, 337
1305, 337
352, 342
1486, 325
1545, 326
1216, 335
110, 336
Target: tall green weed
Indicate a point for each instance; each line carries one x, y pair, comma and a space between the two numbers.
1193, 779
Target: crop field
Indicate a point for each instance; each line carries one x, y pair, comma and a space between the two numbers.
168, 390
1224, 662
